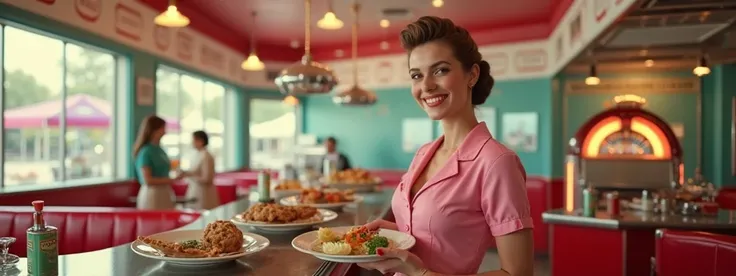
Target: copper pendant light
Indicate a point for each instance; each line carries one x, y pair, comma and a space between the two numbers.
355, 95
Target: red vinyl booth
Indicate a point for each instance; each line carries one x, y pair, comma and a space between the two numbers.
226, 189
84, 229
117, 194
688, 253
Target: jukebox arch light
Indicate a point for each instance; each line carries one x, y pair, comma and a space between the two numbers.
660, 145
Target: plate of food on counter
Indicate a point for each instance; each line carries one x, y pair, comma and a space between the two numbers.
287, 187
221, 241
358, 180
274, 217
322, 198
350, 244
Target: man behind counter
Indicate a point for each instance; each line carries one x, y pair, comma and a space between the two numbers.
342, 162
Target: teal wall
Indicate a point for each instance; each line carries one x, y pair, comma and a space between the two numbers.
371, 136
142, 64
719, 89
672, 107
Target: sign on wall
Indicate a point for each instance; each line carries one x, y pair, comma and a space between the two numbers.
145, 91
415, 133
636, 86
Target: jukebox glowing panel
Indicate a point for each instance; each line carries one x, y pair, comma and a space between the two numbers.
622, 148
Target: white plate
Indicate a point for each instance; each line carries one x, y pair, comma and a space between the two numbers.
277, 194
304, 243
294, 201
327, 215
252, 243
358, 188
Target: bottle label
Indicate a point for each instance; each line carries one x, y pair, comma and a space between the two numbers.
43, 254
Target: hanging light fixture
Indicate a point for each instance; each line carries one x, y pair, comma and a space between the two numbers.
291, 100
253, 63
307, 76
437, 3
171, 17
593, 79
355, 95
702, 68
330, 20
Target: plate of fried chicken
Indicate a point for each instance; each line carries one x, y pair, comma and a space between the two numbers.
221, 241
274, 217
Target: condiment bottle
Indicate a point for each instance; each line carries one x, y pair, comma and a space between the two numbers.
43, 250
590, 202
264, 186
613, 204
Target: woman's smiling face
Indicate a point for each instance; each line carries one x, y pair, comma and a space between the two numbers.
440, 85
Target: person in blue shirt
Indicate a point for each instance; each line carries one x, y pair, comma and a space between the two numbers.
152, 167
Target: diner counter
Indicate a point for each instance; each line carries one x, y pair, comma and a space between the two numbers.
638, 219
277, 259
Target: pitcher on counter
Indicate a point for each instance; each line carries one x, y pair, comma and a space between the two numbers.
465, 189
152, 167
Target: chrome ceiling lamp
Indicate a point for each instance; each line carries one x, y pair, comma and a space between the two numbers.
252, 62
355, 95
306, 77
171, 18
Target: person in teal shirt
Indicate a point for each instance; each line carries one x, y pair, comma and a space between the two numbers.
152, 167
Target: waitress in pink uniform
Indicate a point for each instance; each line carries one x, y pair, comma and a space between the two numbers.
465, 188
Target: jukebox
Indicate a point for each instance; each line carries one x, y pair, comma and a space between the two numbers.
624, 148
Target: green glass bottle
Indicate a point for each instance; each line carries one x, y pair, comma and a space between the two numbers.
42, 245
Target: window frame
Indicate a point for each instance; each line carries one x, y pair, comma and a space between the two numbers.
119, 99
258, 95
229, 105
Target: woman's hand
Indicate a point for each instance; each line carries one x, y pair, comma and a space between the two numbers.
180, 174
381, 224
398, 261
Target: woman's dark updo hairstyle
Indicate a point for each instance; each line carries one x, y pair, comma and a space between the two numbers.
432, 28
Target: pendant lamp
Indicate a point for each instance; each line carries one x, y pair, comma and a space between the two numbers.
253, 63
355, 95
702, 68
306, 77
330, 20
171, 17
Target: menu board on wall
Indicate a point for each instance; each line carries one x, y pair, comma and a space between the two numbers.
487, 115
144, 92
415, 133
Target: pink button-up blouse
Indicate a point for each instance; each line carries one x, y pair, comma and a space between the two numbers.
478, 194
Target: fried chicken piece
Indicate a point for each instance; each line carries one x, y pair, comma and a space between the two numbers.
222, 236
172, 249
274, 213
305, 212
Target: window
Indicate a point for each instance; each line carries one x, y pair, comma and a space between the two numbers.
189, 104
273, 130
58, 110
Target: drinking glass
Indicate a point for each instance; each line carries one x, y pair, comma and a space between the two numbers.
7, 260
